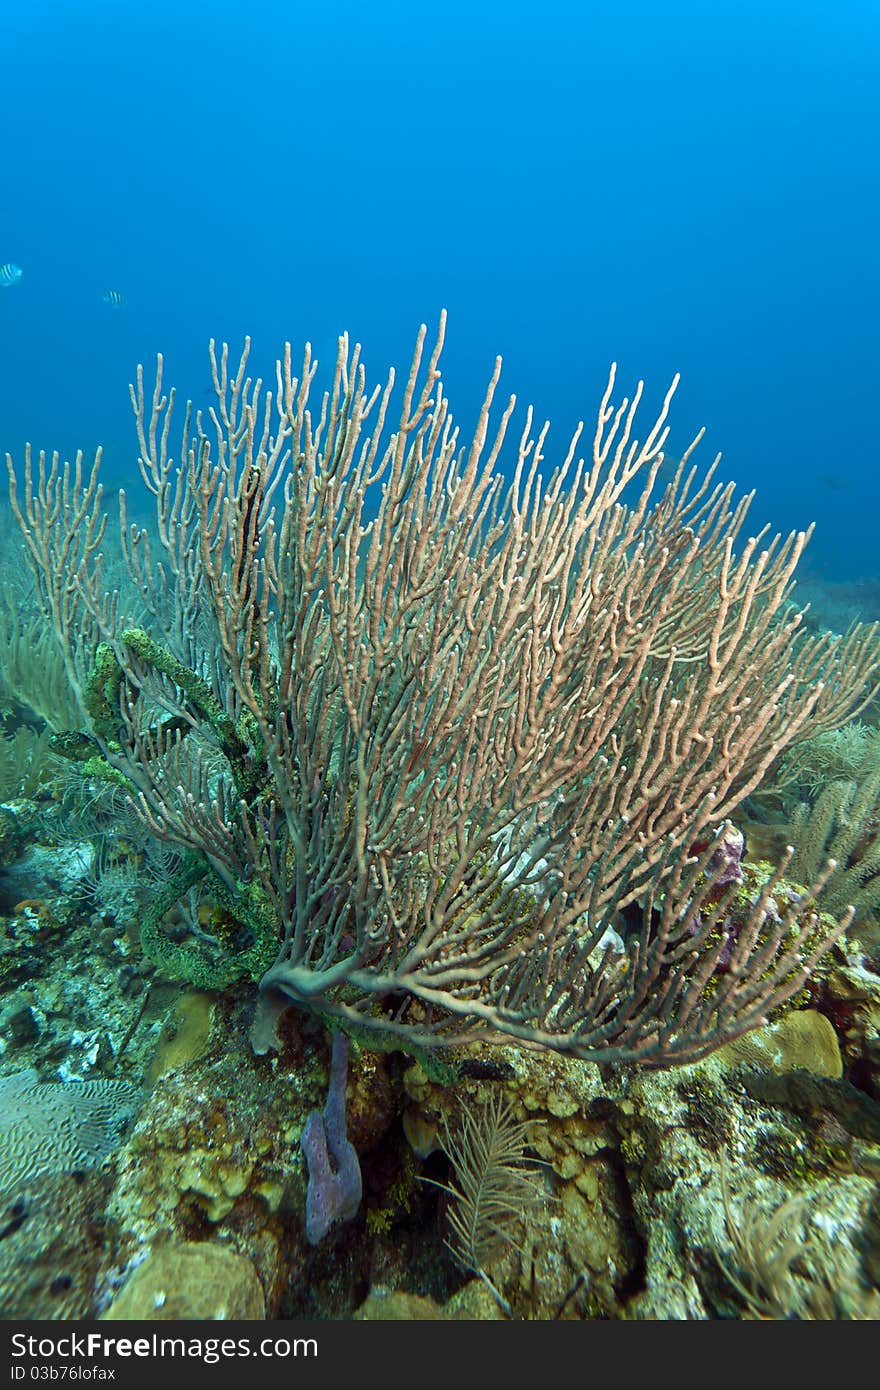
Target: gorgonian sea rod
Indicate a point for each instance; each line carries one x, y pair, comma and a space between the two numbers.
426, 729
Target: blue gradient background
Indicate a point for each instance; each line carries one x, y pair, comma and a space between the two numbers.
684, 187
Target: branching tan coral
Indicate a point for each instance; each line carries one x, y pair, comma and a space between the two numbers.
466, 717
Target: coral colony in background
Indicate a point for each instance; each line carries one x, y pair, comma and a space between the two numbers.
429, 889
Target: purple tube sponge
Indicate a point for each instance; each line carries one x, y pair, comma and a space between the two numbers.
334, 1189
726, 863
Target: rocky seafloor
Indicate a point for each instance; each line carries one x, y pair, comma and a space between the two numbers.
173, 1184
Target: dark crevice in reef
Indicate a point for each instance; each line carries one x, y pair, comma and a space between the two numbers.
632, 1279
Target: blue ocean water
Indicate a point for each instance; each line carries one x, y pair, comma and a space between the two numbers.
681, 187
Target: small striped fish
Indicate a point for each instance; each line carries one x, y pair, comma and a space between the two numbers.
113, 297
10, 275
